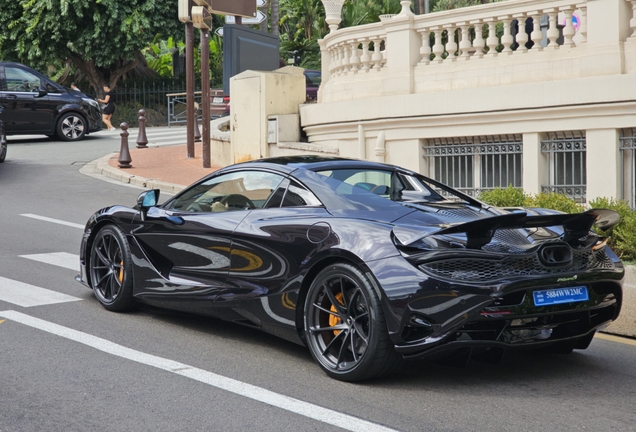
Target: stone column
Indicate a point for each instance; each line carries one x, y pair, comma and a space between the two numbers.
403, 45
603, 163
608, 26
535, 166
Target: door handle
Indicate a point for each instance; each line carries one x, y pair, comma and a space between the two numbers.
11, 96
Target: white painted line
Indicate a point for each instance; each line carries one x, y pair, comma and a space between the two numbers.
57, 221
25, 295
287, 403
60, 259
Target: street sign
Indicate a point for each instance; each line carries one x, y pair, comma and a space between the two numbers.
261, 3
257, 19
243, 8
219, 31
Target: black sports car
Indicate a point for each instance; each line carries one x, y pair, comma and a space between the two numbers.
365, 263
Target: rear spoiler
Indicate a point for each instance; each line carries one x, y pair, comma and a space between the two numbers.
480, 232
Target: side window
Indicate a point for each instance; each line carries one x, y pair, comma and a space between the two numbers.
234, 191
361, 181
297, 196
19, 80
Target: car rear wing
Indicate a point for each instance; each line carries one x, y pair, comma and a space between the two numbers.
480, 232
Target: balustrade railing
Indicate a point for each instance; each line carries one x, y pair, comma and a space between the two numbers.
518, 28
357, 49
504, 29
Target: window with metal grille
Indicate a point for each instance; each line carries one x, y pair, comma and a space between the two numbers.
474, 164
628, 165
566, 153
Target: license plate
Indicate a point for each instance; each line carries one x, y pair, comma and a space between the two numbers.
217, 100
560, 295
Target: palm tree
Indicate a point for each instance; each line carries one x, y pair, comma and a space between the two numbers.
275, 17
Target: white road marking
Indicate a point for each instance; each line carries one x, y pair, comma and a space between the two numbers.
60, 259
57, 221
287, 403
25, 295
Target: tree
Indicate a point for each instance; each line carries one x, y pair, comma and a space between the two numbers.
442, 5
101, 38
275, 16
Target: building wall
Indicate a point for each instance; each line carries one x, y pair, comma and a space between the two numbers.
573, 85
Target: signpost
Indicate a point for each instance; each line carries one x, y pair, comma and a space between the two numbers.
200, 16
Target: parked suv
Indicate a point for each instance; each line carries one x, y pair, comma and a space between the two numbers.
33, 104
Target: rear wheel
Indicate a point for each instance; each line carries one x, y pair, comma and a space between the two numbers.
345, 326
110, 268
71, 127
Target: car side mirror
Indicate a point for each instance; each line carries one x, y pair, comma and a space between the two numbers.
42, 92
146, 200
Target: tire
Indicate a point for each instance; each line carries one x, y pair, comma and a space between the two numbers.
71, 127
345, 327
110, 269
3, 152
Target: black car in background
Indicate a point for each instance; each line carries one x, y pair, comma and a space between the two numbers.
365, 263
33, 104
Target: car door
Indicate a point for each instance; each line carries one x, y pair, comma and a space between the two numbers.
271, 244
25, 109
189, 239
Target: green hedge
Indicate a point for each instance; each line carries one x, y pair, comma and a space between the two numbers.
622, 237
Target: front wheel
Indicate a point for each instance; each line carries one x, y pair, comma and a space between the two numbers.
345, 326
71, 127
110, 269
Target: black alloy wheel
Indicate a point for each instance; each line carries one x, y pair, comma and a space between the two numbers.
345, 327
111, 269
71, 127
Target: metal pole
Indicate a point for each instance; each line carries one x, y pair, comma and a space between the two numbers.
205, 96
190, 89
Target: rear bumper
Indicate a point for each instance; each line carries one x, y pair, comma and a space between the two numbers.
479, 333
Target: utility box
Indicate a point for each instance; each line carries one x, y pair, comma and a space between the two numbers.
256, 97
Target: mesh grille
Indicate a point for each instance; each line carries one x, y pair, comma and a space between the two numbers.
487, 270
461, 213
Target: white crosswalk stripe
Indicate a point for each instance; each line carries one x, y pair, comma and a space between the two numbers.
60, 259
26, 295
162, 136
57, 221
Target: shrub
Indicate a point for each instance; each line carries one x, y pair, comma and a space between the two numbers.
554, 201
622, 236
508, 197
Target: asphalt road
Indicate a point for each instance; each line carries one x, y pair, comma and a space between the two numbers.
67, 364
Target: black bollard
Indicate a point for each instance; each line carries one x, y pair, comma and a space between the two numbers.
142, 139
124, 154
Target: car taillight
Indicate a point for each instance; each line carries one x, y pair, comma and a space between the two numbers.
226, 99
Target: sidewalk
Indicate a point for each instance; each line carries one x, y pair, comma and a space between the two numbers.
167, 168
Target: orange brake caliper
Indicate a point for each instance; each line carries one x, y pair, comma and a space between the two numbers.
121, 273
334, 320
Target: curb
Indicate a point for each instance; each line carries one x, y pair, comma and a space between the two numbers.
101, 166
